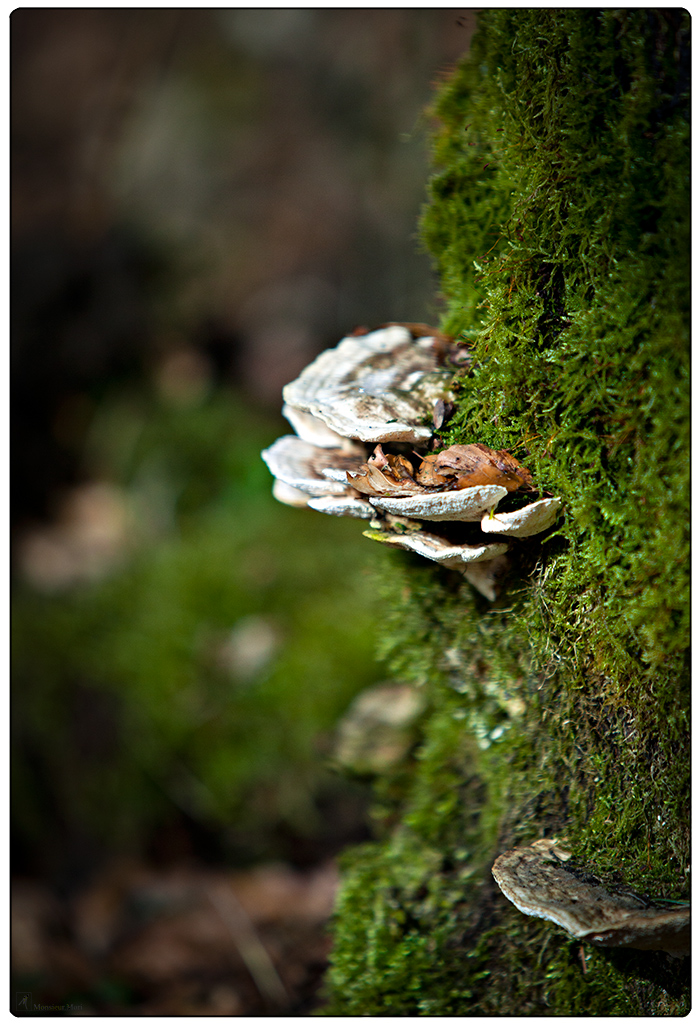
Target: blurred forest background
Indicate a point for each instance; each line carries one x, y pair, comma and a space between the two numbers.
201, 202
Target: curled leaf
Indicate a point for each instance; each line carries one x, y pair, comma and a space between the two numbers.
470, 465
396, 467
370, 480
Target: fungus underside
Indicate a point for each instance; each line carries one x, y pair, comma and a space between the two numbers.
558, 220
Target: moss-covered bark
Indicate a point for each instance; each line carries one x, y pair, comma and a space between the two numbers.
558, 218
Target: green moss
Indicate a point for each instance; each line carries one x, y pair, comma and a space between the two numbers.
558, 219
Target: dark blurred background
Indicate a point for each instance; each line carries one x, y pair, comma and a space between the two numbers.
201, 202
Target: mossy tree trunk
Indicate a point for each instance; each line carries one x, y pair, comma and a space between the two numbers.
558, 218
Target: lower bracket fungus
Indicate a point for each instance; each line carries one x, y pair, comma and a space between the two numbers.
524, 522
361, 412
540, 882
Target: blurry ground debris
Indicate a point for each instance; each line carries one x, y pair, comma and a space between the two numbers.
242, 181
184, 941
379, 728
201, 201
178, 654
146, 710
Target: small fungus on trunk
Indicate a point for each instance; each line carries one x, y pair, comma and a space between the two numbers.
538, 881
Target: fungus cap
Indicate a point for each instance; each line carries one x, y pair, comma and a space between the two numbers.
310, 428
485, 576
288, 495
372, 387
538, 883
342, 505
379, 387
300, 464
467, 505
437, 549
524, 522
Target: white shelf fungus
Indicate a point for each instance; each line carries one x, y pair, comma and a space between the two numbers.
289, 495
360, 413
437, 549
524, 522
538, 882
313, 430
372, 387
299, 464
484, 576
465, 506
343, 505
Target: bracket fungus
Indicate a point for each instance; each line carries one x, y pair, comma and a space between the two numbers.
523, 522
465, 506
361, 413
437, 549
372, 387
538, 880
301, 465
344, 505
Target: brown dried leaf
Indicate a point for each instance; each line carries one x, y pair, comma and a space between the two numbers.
401, 467
471, 465
396, 467
378, 458
442, 412
385, 474
428, 475
370, 480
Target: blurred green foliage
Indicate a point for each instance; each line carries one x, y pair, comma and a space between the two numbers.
127, 708
559, 220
